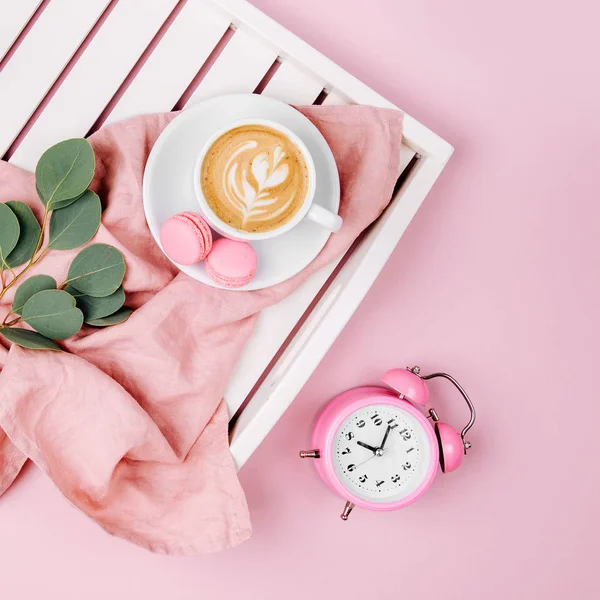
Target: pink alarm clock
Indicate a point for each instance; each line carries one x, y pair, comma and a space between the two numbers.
376, 449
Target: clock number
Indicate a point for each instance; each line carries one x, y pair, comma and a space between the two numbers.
396, 478
363, 478
346, 451
392, 423
351, 467
405, 434
375, 418
409, 450
349, 436
406, 466
361, 424
379, 483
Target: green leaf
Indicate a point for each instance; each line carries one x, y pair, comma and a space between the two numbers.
64, 172
75, 224
28, 339
97, 308
65, 203
97, 271
60, 203
30, 287
119, 317
9, 232
53, 313
29, 234
75, 293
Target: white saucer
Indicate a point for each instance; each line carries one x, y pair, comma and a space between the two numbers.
168, 186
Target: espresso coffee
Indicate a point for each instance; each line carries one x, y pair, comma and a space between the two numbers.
254, 178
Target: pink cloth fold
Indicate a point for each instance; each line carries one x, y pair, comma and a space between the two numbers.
130, 423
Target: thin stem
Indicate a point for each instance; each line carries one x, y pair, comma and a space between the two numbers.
40, 256
42, 231
5, 265
12, 272
13, 281
11, 323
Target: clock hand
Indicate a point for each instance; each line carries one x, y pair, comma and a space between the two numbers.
364, 461
385, 437
371, 448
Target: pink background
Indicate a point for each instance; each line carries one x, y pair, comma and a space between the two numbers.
496, 281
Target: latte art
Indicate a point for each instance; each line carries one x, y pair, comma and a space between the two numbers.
254, 178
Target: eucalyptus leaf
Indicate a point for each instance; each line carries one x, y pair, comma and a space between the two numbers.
60, 203
53, 314
97, 270
64, 172
119, 317
29, 233
28, 339
9, 232
30, 287
75, 293
75, 224
97, 308
64, 203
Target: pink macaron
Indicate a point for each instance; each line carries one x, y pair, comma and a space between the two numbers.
231, 264
186, 238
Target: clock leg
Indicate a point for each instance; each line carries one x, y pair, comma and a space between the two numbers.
347, 510
310, 454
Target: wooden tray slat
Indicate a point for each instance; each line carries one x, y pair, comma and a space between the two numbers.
13, 18
174, 63
273, 327
333, 98
239, 68
290, 84
96, 76
39, 60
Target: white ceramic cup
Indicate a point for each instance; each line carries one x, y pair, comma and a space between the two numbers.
309, 209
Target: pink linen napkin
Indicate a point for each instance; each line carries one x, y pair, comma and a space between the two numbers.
130, 423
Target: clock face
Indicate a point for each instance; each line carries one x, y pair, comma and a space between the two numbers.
381, 453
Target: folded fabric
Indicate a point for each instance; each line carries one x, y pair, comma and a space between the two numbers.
130, 422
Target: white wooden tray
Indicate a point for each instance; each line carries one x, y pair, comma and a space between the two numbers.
70, 66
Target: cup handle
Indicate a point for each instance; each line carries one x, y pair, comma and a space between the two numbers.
325, 218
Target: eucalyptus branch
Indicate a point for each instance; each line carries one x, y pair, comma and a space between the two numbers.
40, 256
72, 215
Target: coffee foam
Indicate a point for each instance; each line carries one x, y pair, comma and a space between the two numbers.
254, 178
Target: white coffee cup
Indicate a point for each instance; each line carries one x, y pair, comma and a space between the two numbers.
309, 209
